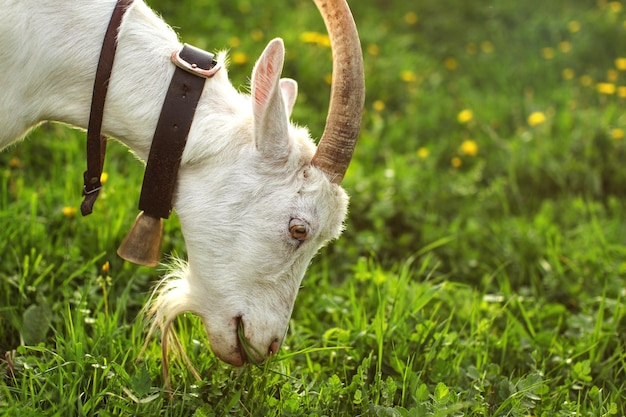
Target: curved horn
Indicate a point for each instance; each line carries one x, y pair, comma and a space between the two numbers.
347, 91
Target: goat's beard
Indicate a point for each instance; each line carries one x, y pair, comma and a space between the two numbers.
168, 300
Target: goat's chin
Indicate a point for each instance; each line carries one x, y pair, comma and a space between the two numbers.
234, 358
171, 298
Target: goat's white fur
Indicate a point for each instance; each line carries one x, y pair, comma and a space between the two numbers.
245, 174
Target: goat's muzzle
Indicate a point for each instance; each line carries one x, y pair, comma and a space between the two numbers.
142, 245
245, 351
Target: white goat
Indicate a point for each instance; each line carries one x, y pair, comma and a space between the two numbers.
255, 198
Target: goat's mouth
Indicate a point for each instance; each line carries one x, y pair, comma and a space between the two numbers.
247, 352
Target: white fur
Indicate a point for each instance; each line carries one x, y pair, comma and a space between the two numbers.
246, 171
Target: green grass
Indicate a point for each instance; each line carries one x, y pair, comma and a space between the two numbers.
467, 283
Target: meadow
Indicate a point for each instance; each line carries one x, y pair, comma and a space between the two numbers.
482, 268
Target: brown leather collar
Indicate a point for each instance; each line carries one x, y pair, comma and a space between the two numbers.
193, 67
96, 142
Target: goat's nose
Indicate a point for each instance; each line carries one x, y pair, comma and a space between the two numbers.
274, 346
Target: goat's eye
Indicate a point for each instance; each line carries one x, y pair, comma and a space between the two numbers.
298, 229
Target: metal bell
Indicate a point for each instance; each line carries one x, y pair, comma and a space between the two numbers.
142, 245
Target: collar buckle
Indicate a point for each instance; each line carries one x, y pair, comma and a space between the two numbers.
193, 67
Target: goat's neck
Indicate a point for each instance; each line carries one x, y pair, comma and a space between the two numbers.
140, 79
67, 63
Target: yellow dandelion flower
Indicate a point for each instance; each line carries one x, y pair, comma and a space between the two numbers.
456, 162
105, 268
565, 47
69, 211
621, 92
465, 116
410, 18
586, 81
234, 42
408, 76
547, 53
257, 35
309, 37
536, 118
379, 105
615, 7
15, 162
568, 74
451, 63
321, 39
606, 88
240, 58
373, 49
324, 40
612, 75
487, 47
469, 147
620, 64
423, 153
617, 133
245, 7
573, 26
104, 177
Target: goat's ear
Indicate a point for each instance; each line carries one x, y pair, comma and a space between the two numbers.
290, 92
270, 114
